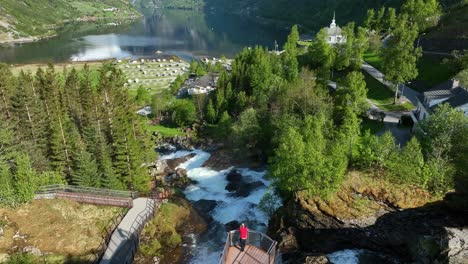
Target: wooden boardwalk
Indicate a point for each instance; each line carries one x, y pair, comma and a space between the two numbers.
251, 255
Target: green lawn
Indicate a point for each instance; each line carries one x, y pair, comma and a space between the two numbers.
163, 130
430, 68
382, 96
373, 59
431, 73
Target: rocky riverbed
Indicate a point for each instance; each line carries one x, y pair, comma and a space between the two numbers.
372, 220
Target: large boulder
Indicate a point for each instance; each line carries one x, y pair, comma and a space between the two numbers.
238, 186
233, 225
455, 243
173, 163
204, 208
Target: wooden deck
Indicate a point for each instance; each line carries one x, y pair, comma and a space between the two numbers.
251, 255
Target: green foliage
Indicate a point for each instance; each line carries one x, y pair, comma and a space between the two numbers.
160, 103
22, 258
178, 82
143, 96
352, 94
70, 127
290, 55
210, 112
41, 17
247, 129
320, 52
85, 172
458, 61
23, 178
269, 203
407, 165
317, 166
197, 68
225, 125
183, 112
425, 13
344, 51
400, 56
462, 76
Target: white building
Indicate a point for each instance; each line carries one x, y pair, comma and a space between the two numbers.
335, 35
449, 92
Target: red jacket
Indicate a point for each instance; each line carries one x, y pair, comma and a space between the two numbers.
244, 231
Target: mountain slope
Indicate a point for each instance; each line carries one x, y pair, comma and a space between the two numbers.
24, 19
310, 13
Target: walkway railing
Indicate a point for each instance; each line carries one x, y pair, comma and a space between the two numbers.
257, 239
107, 236
87, 195
126, 253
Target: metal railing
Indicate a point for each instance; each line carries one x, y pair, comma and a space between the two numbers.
108, 231
48, 189
127, 251
87, 195
256, 239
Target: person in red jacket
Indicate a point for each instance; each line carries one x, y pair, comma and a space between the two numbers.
244, 234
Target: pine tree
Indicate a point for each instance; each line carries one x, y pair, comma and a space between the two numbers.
290, 62
210, 112
6, 90
344, 51
28, 114
369, 21
24, 178
85, 171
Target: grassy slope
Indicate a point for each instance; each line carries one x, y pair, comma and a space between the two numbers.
311, 13
64, 229
40, 17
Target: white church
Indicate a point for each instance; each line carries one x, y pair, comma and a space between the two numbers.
335, 33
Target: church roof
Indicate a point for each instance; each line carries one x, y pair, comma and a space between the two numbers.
334, 31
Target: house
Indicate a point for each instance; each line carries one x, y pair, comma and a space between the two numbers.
145, 111
334, 33
111, 9
449, 92
203, 85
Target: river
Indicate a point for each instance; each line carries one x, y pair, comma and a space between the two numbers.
176, 32
210, 185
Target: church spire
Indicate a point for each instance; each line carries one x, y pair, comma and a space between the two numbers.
333, 24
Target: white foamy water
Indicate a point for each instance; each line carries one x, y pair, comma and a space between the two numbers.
347, 256
210, 185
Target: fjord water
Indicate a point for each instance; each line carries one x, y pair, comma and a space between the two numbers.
175, 32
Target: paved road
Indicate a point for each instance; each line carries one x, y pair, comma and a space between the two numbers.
401, 134
125, 229
379, 76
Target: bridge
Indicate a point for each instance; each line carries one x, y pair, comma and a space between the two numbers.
121, 241
89, 195
259, 249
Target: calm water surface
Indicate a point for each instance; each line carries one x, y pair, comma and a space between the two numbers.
177, 32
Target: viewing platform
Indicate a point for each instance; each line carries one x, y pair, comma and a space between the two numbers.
259, 249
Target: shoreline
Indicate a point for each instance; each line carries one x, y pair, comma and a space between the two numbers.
37, 38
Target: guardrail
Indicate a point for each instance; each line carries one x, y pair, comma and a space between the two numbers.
257, 239
87, 195
108, 230
82, 189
